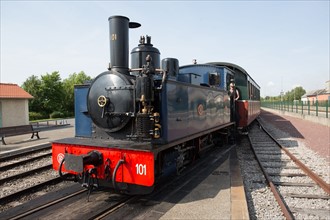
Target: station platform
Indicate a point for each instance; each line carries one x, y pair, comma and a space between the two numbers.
219, 195
46, 134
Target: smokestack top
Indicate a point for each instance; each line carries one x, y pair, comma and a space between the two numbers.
131, 24
119, 27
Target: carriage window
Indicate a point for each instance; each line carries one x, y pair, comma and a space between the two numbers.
214, 79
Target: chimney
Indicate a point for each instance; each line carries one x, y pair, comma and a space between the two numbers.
119, 44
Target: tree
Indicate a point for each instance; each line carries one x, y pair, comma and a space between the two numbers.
33, 86
299, 92
68, 86
294, 94
52, 94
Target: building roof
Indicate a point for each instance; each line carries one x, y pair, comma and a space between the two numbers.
13, 91
315, 92
318, 91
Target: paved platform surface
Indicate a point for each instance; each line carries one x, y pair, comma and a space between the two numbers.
215, 193
47, 135
315, 136
219, 196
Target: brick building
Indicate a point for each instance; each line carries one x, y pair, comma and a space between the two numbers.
320, 94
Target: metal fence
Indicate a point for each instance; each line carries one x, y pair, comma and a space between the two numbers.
316, 108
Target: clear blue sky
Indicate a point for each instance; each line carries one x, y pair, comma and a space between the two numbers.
282, 44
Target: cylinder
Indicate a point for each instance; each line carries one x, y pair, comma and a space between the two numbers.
171, 66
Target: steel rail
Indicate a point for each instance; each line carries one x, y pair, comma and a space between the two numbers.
114, 208
47, 205
24, 151
9, 166
309, 172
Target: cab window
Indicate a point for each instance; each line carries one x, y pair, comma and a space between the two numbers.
214, 79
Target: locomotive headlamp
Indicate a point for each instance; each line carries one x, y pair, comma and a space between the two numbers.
102, 101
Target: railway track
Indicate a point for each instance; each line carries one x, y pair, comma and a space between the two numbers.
296, 188
21, 157
107, 204
42, 203
25, 172
70, 202
5, 199
23, 152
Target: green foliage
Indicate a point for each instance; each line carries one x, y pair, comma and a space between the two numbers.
36, 116
32, 86
52, 96
52, 92
68, 86
68, 114
294, 94
270, 98
57, 114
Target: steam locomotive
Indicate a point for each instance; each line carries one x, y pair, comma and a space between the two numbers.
136, 125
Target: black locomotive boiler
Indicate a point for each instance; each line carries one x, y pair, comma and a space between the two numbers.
135, 125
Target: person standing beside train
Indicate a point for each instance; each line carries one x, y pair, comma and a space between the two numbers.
234, 96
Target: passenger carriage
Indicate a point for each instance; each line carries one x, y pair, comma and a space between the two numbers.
248, 105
